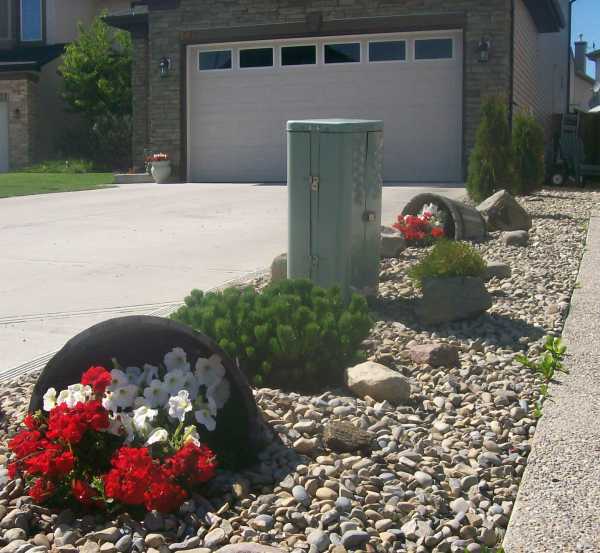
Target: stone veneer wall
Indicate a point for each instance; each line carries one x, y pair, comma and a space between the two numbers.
140, 72
23, 105
491, 18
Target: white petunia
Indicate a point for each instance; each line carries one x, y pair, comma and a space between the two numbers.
180, 405
158, 435
209, 372
134, 375
175, 380
220, 393
140, 401
74, 394
119, 379
108, 402
156, 394
127, 427
125, 396
50, 399
205, 413
149, 374
192, 385
142, 419
176, 359
190, 434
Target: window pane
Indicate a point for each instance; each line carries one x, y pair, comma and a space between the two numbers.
256, 57
392, 50
299, 55
4, 19
433, 49
31, 20
342, 53
218, 59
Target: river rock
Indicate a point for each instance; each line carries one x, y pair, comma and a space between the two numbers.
436, 354
379, 382
393, 242
344, 437
497, 270
516, 238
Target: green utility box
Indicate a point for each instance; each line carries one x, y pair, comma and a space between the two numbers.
335, 169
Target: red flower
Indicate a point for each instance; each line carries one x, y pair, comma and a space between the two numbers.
69, 424
164, 496
192, 463
12, 470
42, 490
133, 470
437, 232
84, 493
25, 443
98, 378
31, 422
51, 463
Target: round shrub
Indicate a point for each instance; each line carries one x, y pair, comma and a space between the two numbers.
449, 259
528, 153
293, 335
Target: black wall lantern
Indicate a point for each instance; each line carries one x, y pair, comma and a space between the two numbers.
483, 49
165, 66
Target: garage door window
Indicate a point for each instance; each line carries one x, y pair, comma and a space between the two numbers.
433, 49
214, 60
298, 55
388, 50
256, 57
342, 53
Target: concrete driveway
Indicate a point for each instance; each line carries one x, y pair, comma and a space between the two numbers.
71, 260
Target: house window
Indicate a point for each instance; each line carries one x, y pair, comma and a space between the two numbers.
256, 57
342, 53
5, 18
31, 20
298, 55
214, 60
387, 50
433, 49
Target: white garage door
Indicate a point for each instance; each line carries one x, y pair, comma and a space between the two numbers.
3, 136
241, 95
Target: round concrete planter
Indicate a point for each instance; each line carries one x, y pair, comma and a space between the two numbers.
161, 171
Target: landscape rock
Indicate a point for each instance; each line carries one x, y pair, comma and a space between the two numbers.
248, 547
379, 382
502, 212
344, 437
393, 242
497, 270
515, 238
279, 268
436, 354
452, 299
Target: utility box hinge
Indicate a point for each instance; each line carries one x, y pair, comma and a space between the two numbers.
314, 260
369, 216
314, 184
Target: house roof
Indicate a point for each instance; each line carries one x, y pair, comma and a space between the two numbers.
547, 15
131, 19
30, 58
594, 56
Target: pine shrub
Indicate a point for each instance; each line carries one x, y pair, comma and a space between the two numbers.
528, 153
448, 259
292, 335
490, 164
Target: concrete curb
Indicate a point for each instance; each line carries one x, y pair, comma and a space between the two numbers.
558, 505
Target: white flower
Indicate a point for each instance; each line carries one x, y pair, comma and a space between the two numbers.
206, 412
125, 396
157, 435
176, 359
174, 381
50, 399
108, 402
142, 417
122, 425
134, 375
190, 434
180, 405
140, 401
209, 372
192, 385
156, 394
220, 393
150, 373
74, 394
119, 379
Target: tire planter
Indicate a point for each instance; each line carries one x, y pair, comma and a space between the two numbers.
161, 171
462, 222
241, 433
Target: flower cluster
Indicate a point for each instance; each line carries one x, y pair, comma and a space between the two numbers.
426, 226
127, 437
157, 157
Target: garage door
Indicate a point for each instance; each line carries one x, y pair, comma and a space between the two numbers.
241, 95
3, 136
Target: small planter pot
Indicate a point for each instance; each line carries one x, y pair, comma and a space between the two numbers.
161, 171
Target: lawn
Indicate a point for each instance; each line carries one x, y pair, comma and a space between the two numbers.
25, 184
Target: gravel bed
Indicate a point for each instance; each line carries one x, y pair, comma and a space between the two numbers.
445, 469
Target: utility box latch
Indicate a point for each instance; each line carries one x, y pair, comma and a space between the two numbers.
369, 216
314, 184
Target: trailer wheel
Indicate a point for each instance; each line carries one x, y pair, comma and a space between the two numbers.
557, 179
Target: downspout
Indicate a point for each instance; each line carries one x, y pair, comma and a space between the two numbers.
571, 2
511, 69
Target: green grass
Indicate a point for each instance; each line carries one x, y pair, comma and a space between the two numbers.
25, 184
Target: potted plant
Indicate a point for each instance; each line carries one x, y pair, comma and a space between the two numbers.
422, 229
451, 280
160, 167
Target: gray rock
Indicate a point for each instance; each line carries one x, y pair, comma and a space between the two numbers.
300, 495
423, 479
279, 268
379, 382
111, 534
515, 238
393, 242
436, 355
262, 523
15, 534
89, 547
354, 539
343, 504
215, 538
154, 540
497, 270
13, 546
502, 212
124, 543
344, 437
248, 547
319, 539
153, 521
452, 299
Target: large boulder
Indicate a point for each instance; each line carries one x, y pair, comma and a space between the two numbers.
519, 238
502, 212
379, 382
498, 270
452, 299
344, 437
137, 340
436, 354
393, 242
279, 268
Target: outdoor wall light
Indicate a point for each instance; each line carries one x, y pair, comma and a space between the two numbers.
165, 66
17, 113
483, 49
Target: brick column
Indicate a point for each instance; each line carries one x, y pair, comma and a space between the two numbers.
139, 85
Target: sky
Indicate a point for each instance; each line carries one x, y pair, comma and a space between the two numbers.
586, 21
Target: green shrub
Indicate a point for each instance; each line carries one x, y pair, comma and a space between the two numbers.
490, 164
448, 259
292, 335
528, 153
70, 166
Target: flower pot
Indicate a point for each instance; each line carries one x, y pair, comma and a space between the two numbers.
161, 171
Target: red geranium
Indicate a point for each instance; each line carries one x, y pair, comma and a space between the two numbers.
84, 493
41, 490
98, 378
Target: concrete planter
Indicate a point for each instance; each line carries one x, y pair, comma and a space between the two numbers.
161, 171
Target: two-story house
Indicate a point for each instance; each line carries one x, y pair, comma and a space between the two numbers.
215, 80
33, 34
